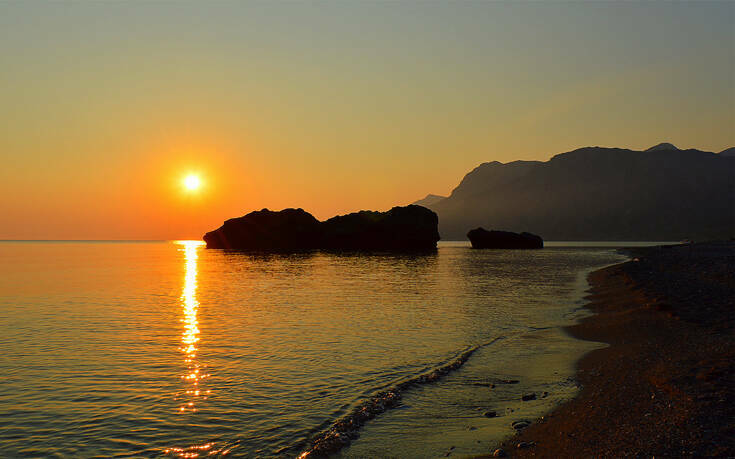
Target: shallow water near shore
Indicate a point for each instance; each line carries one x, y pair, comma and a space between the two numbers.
170, 349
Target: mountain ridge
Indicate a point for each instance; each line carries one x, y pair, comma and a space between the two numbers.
663, 146
428, 200
598, 193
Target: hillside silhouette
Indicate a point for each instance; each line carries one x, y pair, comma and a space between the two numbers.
595, 193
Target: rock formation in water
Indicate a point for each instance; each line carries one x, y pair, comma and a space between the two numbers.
289, 229
484, 239
407, 228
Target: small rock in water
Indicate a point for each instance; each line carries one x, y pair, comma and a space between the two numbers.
545, 394
527, 397
490, 414
522, 445
500, 452
509, 381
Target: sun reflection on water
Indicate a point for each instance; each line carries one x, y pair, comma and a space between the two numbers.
195, 371
190, 336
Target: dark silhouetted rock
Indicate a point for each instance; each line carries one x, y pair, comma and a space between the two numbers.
289, 229
483, 239
407, 228
401, 228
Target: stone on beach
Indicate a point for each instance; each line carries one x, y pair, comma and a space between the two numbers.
518, 425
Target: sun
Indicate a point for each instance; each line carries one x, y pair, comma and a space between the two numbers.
192, 182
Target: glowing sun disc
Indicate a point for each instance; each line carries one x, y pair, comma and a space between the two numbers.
192, 182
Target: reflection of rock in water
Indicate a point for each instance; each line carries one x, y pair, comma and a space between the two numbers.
346, 429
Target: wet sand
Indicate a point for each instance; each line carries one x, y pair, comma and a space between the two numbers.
665, 385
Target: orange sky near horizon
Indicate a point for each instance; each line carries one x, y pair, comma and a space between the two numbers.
333, 107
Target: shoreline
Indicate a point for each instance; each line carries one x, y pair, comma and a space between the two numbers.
546, 375
664, 385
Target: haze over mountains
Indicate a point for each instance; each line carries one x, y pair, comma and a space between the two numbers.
594, 193
429, 200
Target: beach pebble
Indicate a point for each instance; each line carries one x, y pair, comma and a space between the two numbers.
490, 414
518, 425
527, 397
500, 452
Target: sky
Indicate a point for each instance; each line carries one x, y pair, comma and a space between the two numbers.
330, 106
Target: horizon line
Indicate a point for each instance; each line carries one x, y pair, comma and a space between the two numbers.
441, 240
93, 240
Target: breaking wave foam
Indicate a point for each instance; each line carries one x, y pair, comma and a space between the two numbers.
344, 430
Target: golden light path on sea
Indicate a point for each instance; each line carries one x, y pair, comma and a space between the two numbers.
189, 342
190, 335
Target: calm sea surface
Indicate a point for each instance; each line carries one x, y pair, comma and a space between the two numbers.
170, 349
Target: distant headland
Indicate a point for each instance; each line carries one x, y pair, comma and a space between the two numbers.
409, 228
596, 193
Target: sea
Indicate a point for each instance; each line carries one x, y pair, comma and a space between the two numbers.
169, 349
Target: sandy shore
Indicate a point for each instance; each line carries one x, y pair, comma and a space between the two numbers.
665, 386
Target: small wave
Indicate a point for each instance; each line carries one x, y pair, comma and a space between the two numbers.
342, 432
